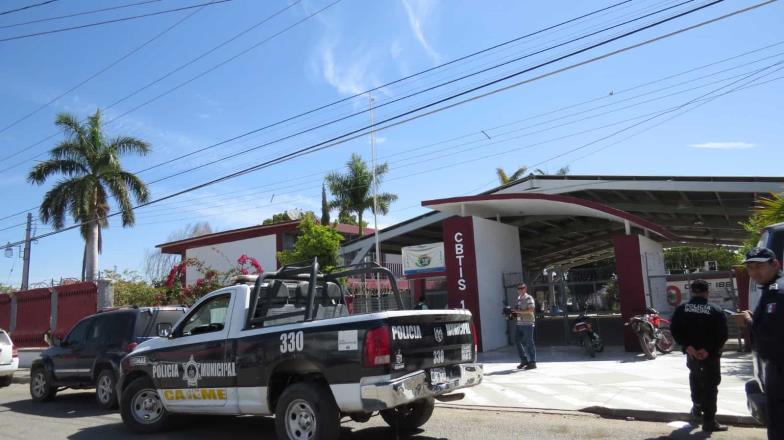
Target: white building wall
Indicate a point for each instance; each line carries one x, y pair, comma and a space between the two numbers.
654, 273
223, 256
497, 251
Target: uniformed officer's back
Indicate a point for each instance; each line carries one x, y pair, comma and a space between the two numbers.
701, 325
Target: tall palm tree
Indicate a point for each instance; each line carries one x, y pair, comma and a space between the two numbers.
353, 190
90, 164
503, 178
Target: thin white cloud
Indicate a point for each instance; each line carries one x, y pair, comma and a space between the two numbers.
418, 11
724, 145
349, 78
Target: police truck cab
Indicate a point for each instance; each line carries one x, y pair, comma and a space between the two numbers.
295, 344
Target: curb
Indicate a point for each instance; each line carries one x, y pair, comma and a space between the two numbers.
613, 413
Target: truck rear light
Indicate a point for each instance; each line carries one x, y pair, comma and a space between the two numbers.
473, 334
131, 346
377, 349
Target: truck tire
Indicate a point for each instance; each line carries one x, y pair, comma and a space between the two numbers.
41, 387
409, 417
105, 392
141, 408
307, 411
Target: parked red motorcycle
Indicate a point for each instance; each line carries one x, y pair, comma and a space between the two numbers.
653, 332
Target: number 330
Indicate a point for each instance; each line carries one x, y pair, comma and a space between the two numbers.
291, 342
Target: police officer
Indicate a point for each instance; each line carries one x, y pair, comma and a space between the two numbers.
767, 331
701, 330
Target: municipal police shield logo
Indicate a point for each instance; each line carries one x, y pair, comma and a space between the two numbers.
191, 374
438, 333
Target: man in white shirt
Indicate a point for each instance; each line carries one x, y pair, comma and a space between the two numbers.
525, 324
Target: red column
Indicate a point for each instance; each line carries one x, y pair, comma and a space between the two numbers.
461, 279
631, 287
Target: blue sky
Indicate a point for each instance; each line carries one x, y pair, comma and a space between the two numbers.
355, 45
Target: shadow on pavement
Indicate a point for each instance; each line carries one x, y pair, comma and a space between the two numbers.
67, 406
689, 432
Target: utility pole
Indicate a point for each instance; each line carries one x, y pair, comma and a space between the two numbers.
26, 266
375, 189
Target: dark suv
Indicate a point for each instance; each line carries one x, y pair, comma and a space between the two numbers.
89, 357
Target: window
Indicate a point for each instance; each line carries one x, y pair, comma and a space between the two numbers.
4, 338
117, 329
78, 333
209, 317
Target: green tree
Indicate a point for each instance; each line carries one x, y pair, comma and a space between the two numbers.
691, 258
353, 190
503, 178
130, 289
768, 210
314, 240
5, 288
91, 165
324, 206
282, 217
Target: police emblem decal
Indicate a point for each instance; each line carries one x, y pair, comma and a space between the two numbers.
191, 374
438, 333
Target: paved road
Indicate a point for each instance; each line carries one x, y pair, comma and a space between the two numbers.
567, 379
74, 415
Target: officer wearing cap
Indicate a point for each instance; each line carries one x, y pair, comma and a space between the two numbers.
767, 331
701, 330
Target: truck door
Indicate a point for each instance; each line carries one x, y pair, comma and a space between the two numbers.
194, 374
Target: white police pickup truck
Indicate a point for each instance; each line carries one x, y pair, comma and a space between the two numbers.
292, 343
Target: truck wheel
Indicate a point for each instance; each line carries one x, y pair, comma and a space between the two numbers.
141, 408
307, 411
41, 387
105, 393
409, 417
6, 381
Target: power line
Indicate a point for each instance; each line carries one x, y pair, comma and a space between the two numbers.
116, 20
182, 66
35, 5
343, 118
94, 11
354, 134
322, 106
91, 77
499, 137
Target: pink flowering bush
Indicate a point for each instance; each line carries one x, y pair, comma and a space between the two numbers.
177, 291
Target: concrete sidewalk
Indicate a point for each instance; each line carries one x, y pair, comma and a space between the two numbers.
613, 383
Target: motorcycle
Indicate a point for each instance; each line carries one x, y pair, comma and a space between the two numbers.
588, 338
653, 332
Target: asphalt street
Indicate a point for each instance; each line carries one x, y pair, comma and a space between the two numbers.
74, 415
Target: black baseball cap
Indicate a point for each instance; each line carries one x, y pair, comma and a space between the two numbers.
699, 286
759, 255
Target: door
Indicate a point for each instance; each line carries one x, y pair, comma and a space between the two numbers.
66, 359
194, 374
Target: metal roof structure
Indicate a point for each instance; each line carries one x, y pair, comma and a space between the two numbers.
694, 210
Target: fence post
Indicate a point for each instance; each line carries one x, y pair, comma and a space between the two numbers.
12, 318
53, 312
105, 294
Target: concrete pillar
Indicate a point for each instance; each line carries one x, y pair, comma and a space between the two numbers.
105, 294
53, 309
12, 319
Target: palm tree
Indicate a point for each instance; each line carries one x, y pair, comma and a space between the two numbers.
353, 190
91, 166
503, 179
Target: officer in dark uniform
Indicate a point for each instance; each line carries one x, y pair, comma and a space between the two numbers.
767, 332
701, 330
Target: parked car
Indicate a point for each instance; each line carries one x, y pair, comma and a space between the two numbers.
772, 238
9, 359
287, 343
89, 357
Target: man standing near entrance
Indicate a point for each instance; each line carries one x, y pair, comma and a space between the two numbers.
701, 330
767, 331
526, 321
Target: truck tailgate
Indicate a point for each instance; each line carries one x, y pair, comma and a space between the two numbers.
427, 339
